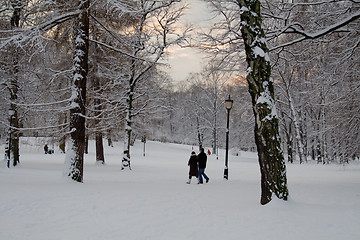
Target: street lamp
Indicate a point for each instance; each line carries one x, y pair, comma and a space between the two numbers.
228, 106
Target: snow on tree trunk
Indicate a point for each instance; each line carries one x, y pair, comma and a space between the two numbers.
146, 47
290, 141
295, 119
99, 135
12, 141
128, 127
199, 135
12, 156
75, 151
215, 107
271, 158
214, 139
299, 141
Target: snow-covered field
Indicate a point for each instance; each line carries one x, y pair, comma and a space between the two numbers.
153, 202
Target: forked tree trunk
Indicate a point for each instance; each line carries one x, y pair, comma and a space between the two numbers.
75, 152
299, 140
271, 158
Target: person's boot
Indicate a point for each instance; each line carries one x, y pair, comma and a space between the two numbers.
189, 181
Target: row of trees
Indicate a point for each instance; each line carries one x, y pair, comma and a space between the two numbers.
90, 68
319, 81
310, 50
313, 46
82, 65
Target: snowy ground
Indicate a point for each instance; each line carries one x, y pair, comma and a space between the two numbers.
153, 202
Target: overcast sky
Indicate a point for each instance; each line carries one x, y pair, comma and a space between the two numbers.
186, 60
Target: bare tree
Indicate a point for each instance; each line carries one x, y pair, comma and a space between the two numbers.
319, 42
147, 40
31, 40
12, 155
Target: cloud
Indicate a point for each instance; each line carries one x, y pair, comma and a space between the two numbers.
183, 62
176, 52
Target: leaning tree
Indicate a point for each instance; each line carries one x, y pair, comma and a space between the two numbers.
235, 35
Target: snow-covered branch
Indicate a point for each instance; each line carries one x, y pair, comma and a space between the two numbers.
318, 34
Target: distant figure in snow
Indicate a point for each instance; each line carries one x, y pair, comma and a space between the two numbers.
193, 164
202, 158
46, 149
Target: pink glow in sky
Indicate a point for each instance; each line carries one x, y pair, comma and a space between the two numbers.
189, 60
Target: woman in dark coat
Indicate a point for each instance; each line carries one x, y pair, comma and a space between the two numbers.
193, 163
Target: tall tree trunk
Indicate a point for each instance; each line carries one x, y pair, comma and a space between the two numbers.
299, 140
99, 148
271, 158
62, 142
289, 141
289, 137
86, 147
214, 141
295, 119
128, 126
215, 120
200, 139
303, 135
75, 152
12, 141
100, 159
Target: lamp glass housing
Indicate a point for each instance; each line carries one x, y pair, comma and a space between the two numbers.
228, 103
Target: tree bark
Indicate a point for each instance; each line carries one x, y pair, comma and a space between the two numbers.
75, 153
12, 154
200, 139
215, 118
271, 158
86, 147
128, 125
99, 148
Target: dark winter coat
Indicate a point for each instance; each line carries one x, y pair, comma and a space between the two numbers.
193, 163
202, 160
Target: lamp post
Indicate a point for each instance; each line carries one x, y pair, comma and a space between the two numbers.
228, 106
143, 139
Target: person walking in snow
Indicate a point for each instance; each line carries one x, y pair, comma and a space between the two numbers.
202, 158
193, 164
46, 149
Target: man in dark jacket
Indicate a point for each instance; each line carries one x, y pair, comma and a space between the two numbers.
202, 158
